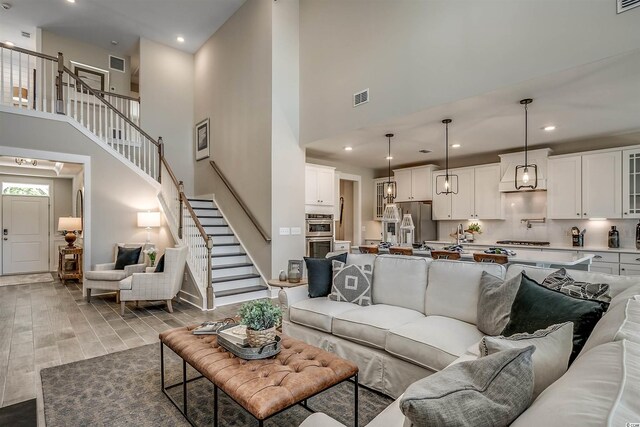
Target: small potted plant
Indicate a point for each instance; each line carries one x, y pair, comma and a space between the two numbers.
261, 319
471, 231
151, 253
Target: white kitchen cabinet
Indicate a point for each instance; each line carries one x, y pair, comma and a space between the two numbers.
414, 184
630, 269
487, 196
441, 203
564, 187
463, 203
602, 185
631, 183
379, 197
319, 185
605, 267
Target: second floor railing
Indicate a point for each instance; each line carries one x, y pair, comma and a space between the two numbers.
35, 81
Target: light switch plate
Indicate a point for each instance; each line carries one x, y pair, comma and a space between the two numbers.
285, 231
364, 228
296, 231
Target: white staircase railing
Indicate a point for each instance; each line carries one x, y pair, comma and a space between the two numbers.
35, 81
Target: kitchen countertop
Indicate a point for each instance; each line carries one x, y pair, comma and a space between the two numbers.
553, 247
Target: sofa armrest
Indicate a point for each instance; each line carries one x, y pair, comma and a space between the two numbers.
319, 419
150, 286
105, 267
150, 270
289, 296
134, 268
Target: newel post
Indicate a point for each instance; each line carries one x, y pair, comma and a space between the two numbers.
59, 88
160, 157
209, 275
180, 214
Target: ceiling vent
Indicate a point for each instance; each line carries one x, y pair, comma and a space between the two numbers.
25, 34
363, 97
116, 63
624, 5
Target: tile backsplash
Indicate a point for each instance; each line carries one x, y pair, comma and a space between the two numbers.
533, 205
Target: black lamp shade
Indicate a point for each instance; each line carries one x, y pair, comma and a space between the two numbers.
390, 191
441, 188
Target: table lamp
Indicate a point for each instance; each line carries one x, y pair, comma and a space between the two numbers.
70, 225
147, 220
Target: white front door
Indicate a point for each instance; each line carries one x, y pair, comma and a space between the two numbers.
25, 229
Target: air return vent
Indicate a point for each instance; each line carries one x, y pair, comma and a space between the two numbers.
362, 97
25, 34
624, 5
116, 63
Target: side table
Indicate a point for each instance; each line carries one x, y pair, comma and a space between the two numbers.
285, 284
69, 263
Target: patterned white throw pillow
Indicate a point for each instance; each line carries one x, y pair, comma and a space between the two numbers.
351, 283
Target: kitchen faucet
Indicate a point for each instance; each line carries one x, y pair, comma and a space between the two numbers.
459, 232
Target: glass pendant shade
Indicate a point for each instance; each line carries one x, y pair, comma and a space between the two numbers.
527, 174
447, 183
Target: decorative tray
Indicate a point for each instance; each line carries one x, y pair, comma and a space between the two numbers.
250, 353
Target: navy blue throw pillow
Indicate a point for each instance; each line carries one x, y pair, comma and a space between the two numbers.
320, 274
538, 307
160, 265
127, 256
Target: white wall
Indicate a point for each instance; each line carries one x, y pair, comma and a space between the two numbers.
166, 104
287, 158
416, 54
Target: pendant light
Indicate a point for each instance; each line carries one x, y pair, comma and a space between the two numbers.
391, 189
526, 174
447, 183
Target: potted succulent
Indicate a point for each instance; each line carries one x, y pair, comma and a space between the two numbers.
261, 319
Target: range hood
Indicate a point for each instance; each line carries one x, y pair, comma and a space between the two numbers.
508, 163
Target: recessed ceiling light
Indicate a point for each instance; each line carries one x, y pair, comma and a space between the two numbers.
71, 1
114, 42
8, 43
549, 128
348, 148
389, 158
180, 39
455, 145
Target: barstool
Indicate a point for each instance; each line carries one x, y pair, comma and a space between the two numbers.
368, 249
401, 250
491, 258
450, 255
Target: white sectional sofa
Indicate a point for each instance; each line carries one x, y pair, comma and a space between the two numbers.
422, 320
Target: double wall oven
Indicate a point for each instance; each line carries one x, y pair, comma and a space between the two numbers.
318, 234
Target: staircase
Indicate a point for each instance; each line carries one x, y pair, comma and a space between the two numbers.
234, 276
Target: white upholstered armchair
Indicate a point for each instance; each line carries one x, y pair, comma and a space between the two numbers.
156, 286
106, 277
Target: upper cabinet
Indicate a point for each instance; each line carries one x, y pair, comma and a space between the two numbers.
631, 183
319, 185
414, 184
585, 186
478, 195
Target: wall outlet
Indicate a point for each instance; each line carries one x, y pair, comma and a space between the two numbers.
364, 228
296, 231
285, 231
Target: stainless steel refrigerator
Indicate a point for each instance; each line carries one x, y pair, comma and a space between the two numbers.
426, 228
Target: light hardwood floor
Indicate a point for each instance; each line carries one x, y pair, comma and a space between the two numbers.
49, 324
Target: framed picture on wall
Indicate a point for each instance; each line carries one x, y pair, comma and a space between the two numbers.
95, 78
201, 139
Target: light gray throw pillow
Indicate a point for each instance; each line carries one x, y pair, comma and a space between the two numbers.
494, 303
551, 359
351, 283
490, 391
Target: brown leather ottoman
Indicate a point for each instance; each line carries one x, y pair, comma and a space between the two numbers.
262, 387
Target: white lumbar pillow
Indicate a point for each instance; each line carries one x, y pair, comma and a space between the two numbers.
622, 322
551, 358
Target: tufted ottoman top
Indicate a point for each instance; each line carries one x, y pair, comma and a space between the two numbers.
262, 387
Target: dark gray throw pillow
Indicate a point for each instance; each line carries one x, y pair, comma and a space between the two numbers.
127, 256
160, 265
561, 281
320, 274
351, 283
494, 302
538, 307
490, 391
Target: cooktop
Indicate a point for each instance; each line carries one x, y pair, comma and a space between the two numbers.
522, 243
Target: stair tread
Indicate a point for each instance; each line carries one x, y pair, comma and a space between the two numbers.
234, 278
209, 216
231, 254
199, 200
215, 225
237, 291
239, 265
225, 244
221, 235
203, 209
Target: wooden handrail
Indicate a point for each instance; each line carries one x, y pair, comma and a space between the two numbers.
117, 95
244, 207
108, 104
28, 52
171, 174
204, 234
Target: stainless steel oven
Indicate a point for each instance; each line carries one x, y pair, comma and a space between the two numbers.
318, 235
319, 247
319, 225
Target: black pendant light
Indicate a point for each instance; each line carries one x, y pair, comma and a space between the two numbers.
526, 174
391, 190
447, 183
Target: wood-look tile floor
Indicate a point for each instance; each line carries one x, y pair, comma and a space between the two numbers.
49, 324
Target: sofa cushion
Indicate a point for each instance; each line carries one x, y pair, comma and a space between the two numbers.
616, 283
551, 358
490, 391
317, 313
320, 273
621, 322
433, 341
454, 288
369, 325
361, 259
106, 275
351, 283
494, 302
629, 293
536, 307
400, 281
600, 389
